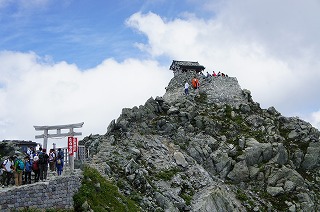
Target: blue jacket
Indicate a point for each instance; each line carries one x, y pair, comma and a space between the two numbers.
28, 166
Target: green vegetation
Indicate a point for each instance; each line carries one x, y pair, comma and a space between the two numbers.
228, 111
241, 195
187, 194
167, 174
201, 98
41, 210
100, 194
186, 198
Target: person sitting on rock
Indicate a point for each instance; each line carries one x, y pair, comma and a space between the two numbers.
214, 74
208, 75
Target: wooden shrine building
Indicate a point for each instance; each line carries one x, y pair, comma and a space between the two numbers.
183, 66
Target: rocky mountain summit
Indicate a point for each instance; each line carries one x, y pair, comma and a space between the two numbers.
214, 150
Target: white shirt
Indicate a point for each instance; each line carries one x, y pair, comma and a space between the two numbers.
186, 86
8, 163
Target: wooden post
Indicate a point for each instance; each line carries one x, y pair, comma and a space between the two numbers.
45, 139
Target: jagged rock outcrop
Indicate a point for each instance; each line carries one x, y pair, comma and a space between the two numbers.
214, 150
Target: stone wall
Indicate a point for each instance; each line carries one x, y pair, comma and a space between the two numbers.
54, 194
218, 89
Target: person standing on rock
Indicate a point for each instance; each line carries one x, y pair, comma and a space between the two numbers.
52, 160
195, 83
7, 166
18, 170
35, 168
30, 152
27, 170
186, 88
43, 164
61, 153
59, 165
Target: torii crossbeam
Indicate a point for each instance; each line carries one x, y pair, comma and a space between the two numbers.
58, 133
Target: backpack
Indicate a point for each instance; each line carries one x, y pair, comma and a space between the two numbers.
59, 161
35, 166
42, 159
20, 165
28, 166
61, 153
195, 83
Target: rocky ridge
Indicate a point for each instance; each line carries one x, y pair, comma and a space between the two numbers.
214, 150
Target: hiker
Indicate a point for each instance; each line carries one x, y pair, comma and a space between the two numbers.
52, 159
208, 75
195, 83
27, 170
219, 74
35, 168
186, 88
61, 153
39, 150
59, 165
18, 168
214, 74
30, 152
43, 164
7, 167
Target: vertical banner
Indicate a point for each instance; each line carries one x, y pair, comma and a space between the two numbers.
70, 145
75, 144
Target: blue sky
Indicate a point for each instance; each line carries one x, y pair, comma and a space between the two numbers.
80, 32
67, 61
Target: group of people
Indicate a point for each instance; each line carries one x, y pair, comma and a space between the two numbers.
218, 74
36, 162
214, 74
195, 82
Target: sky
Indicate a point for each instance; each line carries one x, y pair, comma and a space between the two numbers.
67, 61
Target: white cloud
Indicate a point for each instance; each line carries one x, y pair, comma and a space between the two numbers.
37, 93
257, 43
315, 119
270, 49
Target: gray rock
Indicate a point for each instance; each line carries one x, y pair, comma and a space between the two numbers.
173, 110
180, 160
312, 157
289, 186
282, 156
275, 191
215, 199
240, 172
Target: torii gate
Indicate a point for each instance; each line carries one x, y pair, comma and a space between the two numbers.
46, 129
